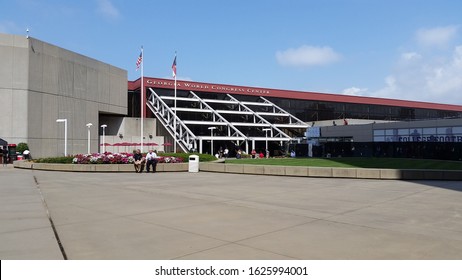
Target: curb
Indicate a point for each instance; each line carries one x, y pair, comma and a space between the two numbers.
275, 170
161, 167
334, 172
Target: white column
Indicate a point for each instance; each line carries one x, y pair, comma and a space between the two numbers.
89, 137
103, 126
65, 138
266, 136
211, 139
65, 134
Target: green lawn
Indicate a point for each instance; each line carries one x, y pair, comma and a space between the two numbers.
393, 163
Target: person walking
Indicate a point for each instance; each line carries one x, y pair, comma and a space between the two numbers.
5, 156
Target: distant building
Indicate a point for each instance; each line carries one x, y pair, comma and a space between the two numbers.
433, 139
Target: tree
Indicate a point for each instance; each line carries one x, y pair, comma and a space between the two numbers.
22, 147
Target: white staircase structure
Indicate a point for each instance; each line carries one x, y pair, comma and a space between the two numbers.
229, 119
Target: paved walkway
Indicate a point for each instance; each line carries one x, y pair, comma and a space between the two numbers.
25, 231
225, 216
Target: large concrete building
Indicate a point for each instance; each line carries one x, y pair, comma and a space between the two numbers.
248, 118
40, 83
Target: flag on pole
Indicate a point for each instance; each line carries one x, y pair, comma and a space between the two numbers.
139, 60
174, 67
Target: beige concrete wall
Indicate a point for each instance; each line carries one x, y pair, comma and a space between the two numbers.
132, 127
41, 82
14, 63
128, 130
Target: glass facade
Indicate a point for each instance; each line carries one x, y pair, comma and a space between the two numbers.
419, 150
310, 111
426, 134
307, 110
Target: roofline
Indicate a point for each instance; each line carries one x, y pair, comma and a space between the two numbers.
290, 94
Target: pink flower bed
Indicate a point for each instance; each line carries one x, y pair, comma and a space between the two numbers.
116, 158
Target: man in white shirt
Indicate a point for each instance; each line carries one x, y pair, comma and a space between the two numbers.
26, 154
151, 159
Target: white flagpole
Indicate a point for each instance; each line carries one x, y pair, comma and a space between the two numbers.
174, 120
142, 98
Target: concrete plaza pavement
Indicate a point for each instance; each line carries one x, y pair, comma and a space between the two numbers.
225, 216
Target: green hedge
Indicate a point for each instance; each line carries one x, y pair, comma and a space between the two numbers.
22, 147
54, 160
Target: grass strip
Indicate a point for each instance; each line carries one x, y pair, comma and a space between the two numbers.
386, 163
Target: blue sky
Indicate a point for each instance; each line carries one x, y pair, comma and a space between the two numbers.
407, 49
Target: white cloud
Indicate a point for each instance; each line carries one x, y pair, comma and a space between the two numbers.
355, 91
447, 77
424, 78
307, 56
410, 56
436, 37
107, 9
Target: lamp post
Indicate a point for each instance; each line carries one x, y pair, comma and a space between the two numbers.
211, 138
103, 126
65, 134
266, 136
88, 125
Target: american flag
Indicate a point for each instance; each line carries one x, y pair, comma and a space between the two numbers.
174, 67
140, 59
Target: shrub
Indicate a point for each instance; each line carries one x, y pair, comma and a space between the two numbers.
55, 160
22, 147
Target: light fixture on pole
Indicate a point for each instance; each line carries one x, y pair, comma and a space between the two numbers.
175, 116
88, 125
211, 138
65, 134
266, 136
103, 126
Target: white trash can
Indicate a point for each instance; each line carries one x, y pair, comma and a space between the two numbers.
193, 163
